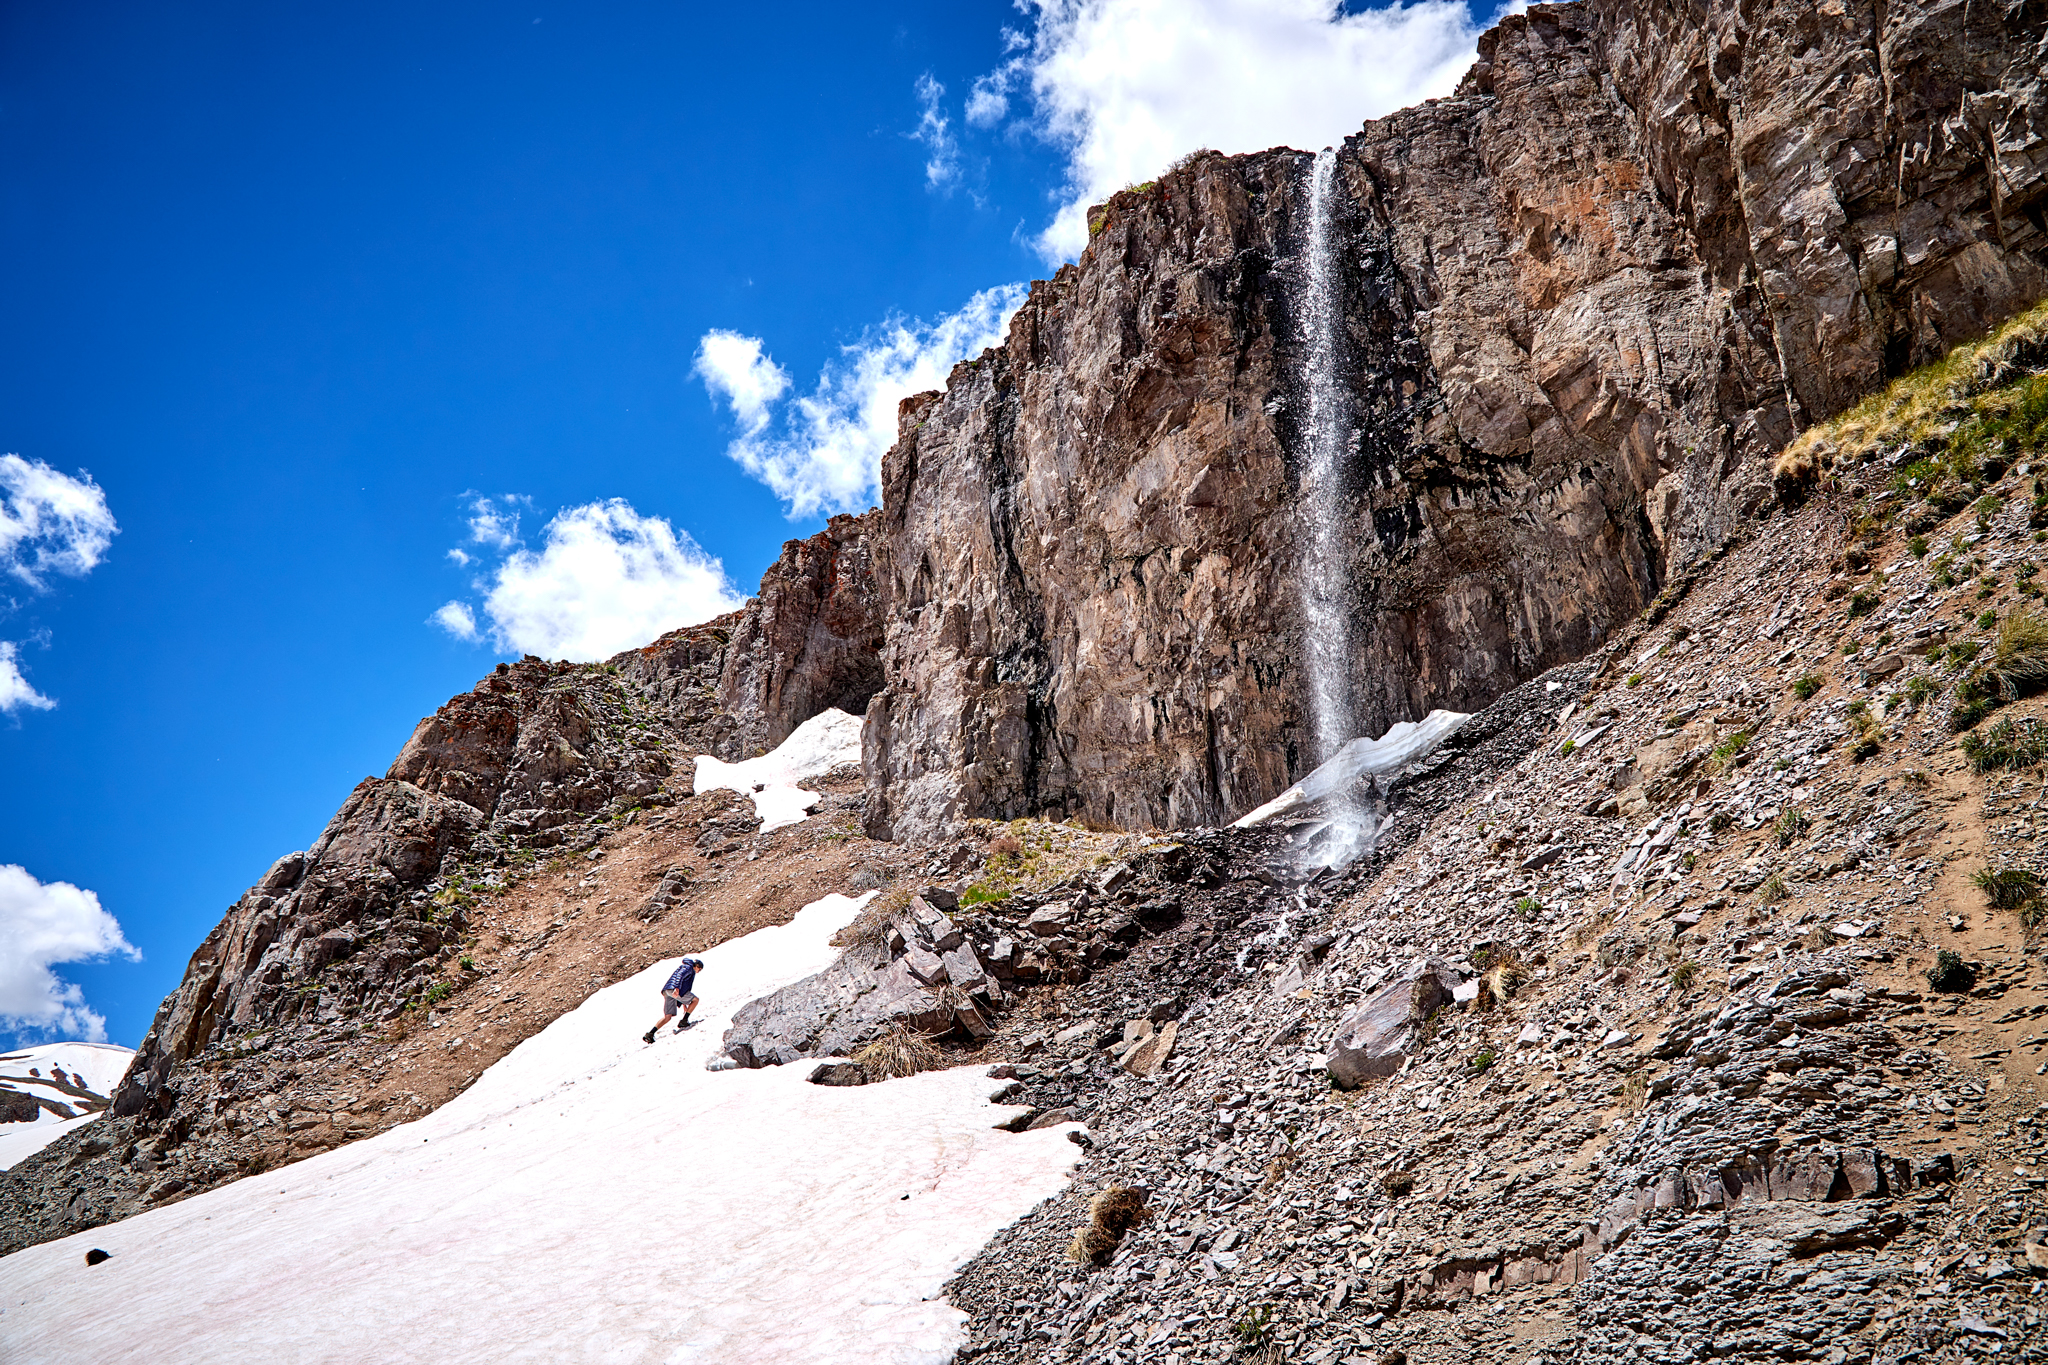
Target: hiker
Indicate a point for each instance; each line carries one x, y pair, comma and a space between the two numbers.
676, 995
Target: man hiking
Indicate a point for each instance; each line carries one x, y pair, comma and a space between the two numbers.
676, 995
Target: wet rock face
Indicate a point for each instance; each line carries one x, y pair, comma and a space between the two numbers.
1584, 301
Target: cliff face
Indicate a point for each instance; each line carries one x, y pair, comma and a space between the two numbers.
1584, 301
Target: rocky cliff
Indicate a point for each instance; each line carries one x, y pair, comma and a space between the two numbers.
1584, 301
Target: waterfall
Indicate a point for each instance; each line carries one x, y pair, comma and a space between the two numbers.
1324, 578
1350, 823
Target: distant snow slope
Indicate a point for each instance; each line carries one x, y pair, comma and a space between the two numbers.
590, 1198
57, 1072
828, 740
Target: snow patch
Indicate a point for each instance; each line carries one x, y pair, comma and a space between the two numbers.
56, 1072
827, 741
1401, 745
590, 1198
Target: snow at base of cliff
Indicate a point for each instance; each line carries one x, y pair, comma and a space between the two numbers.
1407, 742
827, 741
590, 1198
56, 1073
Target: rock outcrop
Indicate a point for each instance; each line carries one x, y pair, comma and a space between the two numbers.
1584, 301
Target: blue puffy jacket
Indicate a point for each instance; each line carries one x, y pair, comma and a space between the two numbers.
685, 976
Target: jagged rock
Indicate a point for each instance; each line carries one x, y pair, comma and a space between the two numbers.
932, 927
925, 965
673, 888
839, 1073
844, 1007
1377, 1037
811, 639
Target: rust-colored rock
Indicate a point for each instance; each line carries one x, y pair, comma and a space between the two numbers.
1585, 300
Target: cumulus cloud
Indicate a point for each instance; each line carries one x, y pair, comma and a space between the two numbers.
1127, 86
50, 522
935, 131
45, 925
605, 578
457, 619
736, 368
822, 452
493, 523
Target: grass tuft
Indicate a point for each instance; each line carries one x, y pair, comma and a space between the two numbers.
2007, 888
1111, 1214
2007, 744
900, 1052
1724, 754
1996, 386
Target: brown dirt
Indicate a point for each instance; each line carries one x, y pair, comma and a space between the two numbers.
573, 926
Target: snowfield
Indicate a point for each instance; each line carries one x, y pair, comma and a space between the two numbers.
828, 740
95, 1067
590, 1198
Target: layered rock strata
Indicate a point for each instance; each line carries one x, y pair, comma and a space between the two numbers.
1584, 300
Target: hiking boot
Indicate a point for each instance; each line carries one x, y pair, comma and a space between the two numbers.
687, 1021
647, 1037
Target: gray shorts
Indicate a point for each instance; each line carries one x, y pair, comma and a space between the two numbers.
669, 1004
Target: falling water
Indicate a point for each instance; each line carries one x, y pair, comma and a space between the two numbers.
1352, 814
1323, 576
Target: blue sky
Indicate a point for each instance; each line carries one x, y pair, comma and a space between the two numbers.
312, 295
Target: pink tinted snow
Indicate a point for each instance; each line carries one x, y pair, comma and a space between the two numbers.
828, 740
589, 1199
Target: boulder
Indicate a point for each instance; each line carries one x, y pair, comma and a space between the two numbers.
931, 926
1144, 1059
839, 1071
1381, 1034
964, 969
835, 1012
927, 966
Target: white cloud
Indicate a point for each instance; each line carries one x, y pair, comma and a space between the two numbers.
935, 131
44, 925
457, 619
493, 523
828, 454
734, 367
15, 691
605, 579
50, 522
988, 103
1128, 86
